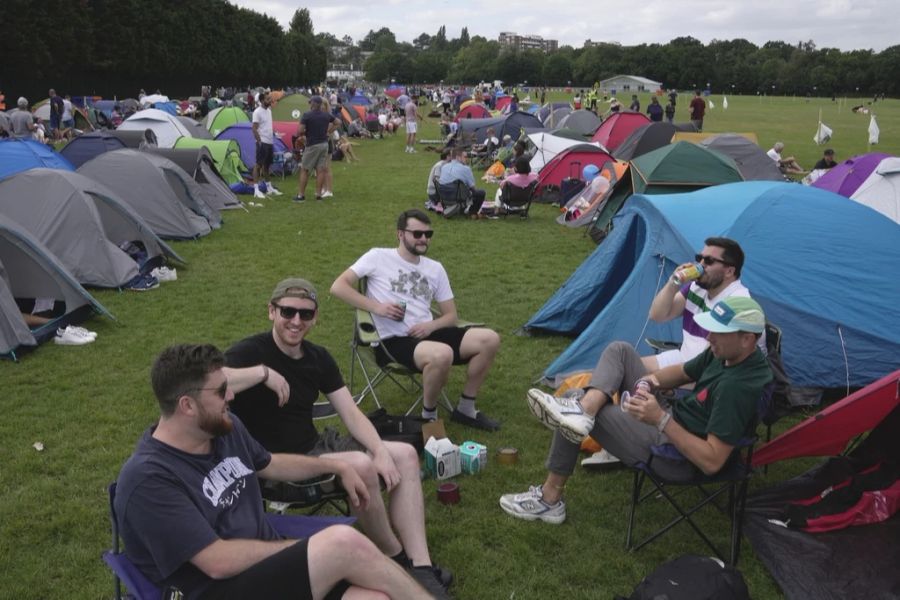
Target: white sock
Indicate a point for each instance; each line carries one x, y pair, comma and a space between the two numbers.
467, 406
255, 187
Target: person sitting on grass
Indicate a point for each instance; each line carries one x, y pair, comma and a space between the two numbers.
704, 427
786, 165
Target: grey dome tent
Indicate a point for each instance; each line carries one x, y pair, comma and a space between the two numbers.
199, 164
132, 138
644, 139
87, 146
83, 223
752, 161
582, 121
165, 196
28, 270
197, 129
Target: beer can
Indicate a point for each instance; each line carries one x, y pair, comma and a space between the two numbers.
689, 273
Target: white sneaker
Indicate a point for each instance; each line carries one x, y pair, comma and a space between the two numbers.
561, 414
531, 507
327, 195
271, 191
165, 274
601, 460
257, 193
82, 331
67, 337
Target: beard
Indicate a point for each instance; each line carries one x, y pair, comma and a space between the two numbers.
215, 425
708, 281
413, 249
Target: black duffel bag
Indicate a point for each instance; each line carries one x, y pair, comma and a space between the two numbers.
398, 428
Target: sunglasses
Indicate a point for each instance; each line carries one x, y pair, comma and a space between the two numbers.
220, 391
289, 312
711, 260
419, 233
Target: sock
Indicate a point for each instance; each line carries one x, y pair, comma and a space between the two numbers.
255, 187
466, 406
429, 414
402, 559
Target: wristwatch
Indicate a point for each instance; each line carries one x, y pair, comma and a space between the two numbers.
663, 421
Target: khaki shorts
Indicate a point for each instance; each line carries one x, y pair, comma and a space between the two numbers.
411, 127
314, 157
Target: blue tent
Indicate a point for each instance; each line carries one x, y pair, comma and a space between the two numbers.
20, 155
827, 271
360, 100
242, 133
87, 146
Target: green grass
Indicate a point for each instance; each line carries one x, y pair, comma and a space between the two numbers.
88, 405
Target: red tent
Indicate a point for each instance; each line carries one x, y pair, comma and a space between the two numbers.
828, 432
569, 163
286, 130
502, 102
617, 127
473, 111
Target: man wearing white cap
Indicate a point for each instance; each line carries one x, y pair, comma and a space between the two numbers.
728, 378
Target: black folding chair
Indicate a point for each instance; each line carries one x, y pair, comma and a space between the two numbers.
456, 198
515, 200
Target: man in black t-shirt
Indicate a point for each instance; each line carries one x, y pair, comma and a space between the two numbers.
188, 501
316, 125
287, 427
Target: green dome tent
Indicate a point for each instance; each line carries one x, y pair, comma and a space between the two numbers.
290, 108
219, 119
226, 156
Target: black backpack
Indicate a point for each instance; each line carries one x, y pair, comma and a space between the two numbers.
692, 577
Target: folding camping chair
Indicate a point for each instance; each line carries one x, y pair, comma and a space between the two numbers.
515, 200
309, 495
141, 588
456, 198
732, 479
363, 358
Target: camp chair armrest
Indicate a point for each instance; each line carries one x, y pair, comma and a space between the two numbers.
365, 326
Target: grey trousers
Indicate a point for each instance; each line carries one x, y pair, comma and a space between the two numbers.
618, 369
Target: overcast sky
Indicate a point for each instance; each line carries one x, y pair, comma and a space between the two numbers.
844, 24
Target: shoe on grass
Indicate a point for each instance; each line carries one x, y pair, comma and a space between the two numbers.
271, 191
327, 195
530, 506
68, 337
299, 198
429, 579
561, 414
165, 274
257, 193
479, 421
82, 331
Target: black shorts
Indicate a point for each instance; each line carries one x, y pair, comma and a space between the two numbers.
264, 154
282, 575
401, 349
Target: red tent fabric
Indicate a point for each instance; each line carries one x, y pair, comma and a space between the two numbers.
828, 432
570, 163
502, 102
286, 130
617, 127
473, 111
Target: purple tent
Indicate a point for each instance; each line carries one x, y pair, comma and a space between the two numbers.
845, 178
242, 133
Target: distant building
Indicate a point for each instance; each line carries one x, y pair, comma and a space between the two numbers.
591, 44
510, 39
630, 83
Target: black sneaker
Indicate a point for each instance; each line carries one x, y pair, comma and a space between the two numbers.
299, 198
429, 579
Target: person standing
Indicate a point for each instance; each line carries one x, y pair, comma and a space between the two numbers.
635, 104
264, 136
56, 112
697, 108
670, 111
654, 110
316, 126
21, 121
412, 125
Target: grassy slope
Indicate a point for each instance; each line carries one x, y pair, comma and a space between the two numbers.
88, 405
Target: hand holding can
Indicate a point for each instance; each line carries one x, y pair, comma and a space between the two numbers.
687, 273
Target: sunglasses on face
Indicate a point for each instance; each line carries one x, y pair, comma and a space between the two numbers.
220, 391
710, 260
418, 233
289, 312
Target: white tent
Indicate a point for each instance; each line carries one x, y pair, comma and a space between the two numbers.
166, 127
881, 190
548, 146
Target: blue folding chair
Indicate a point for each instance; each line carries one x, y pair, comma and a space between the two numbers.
141, 588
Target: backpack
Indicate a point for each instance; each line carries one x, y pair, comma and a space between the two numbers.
692, 577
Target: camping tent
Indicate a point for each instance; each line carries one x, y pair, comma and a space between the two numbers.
829, 338
514, 124
555, 119
474, 131
87, 146
617, 127
287, 131
197, 129
242, 133
570, 163
751, 160
161, 192
28, 271
221, 118
360, 100
582, 121
846, 177
472, 111
394, 90
166, 127
131, 138
20, 155
644, 139
547, 109
547, 146
226, 154
290, 108
849, 562
83, 223
881, 190
676, 168
198, 163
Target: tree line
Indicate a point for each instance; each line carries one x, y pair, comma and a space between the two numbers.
117, 47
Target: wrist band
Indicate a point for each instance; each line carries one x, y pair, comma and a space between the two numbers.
266, 374
663, 421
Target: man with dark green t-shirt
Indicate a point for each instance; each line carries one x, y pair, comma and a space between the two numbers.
728, 378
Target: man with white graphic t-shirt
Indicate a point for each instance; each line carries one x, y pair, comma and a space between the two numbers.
401, 285
189, 507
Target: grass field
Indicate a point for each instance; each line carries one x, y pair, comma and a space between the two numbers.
88, 405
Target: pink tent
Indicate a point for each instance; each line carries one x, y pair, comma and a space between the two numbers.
617, 127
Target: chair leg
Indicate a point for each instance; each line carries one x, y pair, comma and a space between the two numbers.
635, 498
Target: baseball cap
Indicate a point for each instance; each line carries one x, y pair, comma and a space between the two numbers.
294, 287
589, 172
736, 313
315, 100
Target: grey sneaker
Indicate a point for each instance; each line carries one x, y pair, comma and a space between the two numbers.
429, 579
561, 414
531, 507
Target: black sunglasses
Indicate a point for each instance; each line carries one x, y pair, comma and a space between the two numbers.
220, 391
419, 233
289, 312
711, 260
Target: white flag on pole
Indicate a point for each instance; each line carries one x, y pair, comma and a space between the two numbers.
874, 132
710, 104
823, 134
724, 103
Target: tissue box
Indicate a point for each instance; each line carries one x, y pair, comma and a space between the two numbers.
473, 457
441, 458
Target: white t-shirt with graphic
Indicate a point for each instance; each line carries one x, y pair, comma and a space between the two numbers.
393, 279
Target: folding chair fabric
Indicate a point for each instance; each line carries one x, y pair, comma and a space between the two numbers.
515, 200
